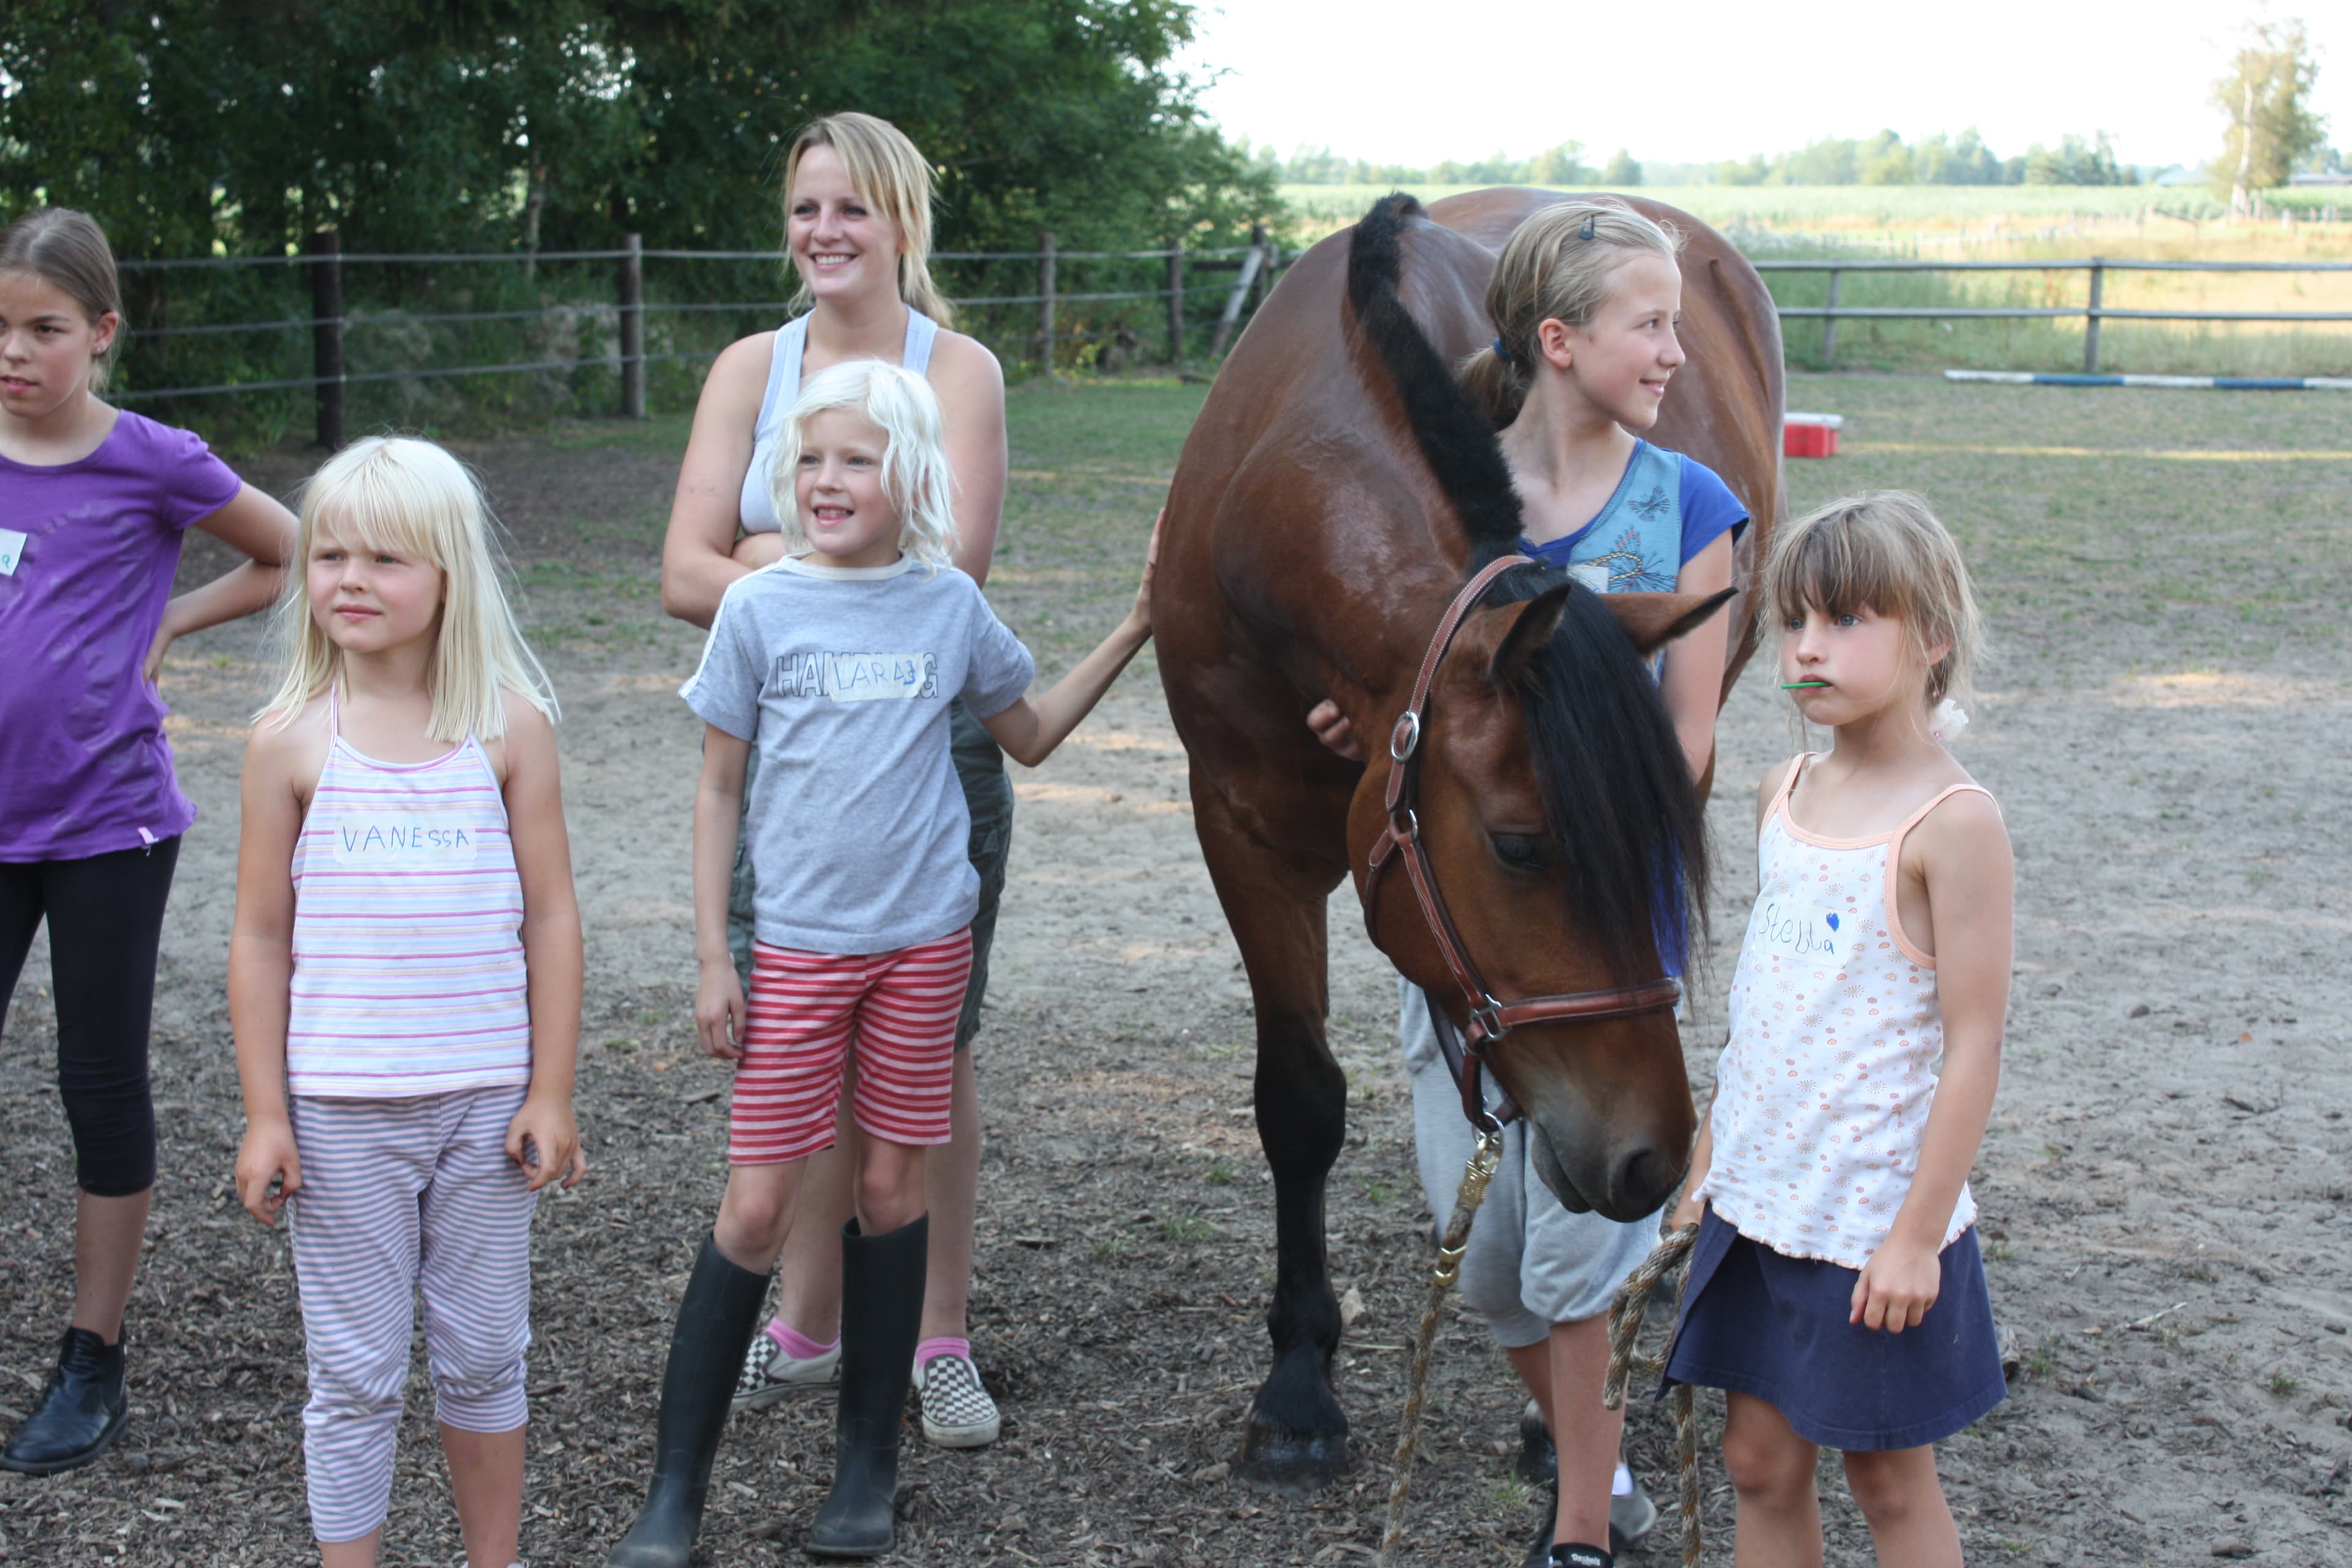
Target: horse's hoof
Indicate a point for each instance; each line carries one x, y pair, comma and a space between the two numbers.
1291, 1462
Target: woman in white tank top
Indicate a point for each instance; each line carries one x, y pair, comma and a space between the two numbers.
857, 227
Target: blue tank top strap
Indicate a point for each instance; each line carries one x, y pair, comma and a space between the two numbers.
921, 333
783, 376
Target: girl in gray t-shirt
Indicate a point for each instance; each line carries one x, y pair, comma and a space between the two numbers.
838, 663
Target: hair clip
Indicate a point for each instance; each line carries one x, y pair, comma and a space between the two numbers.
1586, 232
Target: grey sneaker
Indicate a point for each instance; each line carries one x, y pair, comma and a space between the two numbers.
957, 1411
1630, 1517
768, 1374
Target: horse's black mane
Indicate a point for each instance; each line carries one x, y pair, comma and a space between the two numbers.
1617, 792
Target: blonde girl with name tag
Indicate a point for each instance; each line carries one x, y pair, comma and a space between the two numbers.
95, 502
838, 663
404, 978
1836, 1293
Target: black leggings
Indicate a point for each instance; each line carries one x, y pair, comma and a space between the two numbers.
106, 923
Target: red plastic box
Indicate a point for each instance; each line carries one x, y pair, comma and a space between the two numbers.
1810, 434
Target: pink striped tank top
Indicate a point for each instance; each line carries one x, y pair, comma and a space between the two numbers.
408, 960
1836, 1038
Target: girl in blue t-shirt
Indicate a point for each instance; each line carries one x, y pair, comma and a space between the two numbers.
1584, 302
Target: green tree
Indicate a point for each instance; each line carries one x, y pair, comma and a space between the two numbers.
1884, 160
1621, 169
2266, 94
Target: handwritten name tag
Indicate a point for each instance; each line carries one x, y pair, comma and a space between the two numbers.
12, 549
1805, 934
422, 842
859, 676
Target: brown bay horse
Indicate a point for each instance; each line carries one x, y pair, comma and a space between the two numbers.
1336, 491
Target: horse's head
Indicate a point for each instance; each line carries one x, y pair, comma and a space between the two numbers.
1568, 845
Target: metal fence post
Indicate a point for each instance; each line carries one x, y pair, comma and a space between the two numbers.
1045, 302
1176, 301
2091, 327
1829, 323
327, 334
633, 326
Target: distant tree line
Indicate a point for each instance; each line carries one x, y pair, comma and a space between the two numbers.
1562, 166
191, 126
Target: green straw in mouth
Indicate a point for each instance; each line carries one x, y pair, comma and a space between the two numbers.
1801, 685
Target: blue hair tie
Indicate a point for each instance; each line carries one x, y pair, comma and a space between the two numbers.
1501, 352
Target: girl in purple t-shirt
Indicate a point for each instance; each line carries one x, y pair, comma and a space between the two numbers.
93, 503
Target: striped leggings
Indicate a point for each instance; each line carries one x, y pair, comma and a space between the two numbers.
806, 1009
401, 1196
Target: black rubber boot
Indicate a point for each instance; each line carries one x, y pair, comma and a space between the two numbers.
81, 1412
706, 1350
881, 1318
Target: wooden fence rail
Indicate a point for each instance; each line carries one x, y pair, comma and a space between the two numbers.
2092, 312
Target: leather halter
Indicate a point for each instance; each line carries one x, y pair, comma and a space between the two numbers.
1490, 1019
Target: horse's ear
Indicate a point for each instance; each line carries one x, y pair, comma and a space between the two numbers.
1653, 620
1532, 622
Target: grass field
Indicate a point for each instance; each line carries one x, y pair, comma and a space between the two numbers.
1986, 222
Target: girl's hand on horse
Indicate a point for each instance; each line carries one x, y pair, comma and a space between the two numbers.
1139, 616
1331, 728
267, 1155
1897, 1286
544, 1140
719, 1013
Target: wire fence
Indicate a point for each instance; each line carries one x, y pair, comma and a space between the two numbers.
591, 337
445, 336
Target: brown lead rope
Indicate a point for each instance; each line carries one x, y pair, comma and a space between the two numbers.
1475, 1177
1626, 1358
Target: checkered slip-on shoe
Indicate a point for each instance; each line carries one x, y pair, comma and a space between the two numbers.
768, 1374
957, 1411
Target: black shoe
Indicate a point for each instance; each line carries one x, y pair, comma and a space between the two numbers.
706, 1350
1539, 1461
882, 1281
81, 1411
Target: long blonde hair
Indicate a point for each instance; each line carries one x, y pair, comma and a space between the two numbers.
916, 475
1884, 552
885, 168
393, 493
1556, 265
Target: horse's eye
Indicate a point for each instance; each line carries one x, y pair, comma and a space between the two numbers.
1520, 851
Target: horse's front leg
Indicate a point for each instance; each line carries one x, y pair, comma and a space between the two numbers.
1298, 1435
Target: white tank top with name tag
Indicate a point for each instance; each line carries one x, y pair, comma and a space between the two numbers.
408, 960
756, 507
1822, 1095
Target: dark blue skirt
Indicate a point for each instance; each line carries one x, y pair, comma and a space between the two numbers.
1757, 1322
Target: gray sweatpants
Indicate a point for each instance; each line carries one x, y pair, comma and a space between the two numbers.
1531, 1263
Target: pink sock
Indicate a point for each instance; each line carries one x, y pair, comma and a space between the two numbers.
794, 1343
930, 1350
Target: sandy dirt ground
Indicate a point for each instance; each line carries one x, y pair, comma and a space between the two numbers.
2163, 1189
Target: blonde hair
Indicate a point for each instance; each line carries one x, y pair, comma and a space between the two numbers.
885, 168
67, 250
914, 472
1886, 554
1556, 266
411, 496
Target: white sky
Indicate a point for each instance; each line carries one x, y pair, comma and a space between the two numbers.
1416, 81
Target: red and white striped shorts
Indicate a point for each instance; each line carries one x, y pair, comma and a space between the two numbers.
805, 1009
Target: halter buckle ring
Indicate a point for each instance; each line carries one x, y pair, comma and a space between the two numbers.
1405, 738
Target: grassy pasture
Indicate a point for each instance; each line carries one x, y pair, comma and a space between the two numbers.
1986, 222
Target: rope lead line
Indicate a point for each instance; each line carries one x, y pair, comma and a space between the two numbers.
1626, 1358
1475, 1177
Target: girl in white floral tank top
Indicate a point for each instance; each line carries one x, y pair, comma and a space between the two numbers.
1836, 1293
